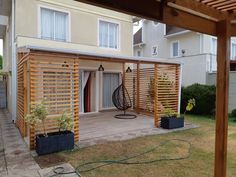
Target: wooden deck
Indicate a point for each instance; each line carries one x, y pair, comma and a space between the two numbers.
103, 127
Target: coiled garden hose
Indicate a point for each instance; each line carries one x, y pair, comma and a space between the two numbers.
60, 170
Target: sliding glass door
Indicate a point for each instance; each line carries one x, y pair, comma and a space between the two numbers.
110, 83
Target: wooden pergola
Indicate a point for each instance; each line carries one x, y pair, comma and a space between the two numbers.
213, 17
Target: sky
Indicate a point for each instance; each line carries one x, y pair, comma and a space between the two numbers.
1, 47
136, 28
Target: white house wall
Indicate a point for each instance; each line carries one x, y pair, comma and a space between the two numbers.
83, 21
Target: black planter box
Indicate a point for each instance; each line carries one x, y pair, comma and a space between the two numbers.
172, 122
54, 142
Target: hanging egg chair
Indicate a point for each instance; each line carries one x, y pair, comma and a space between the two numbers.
122, 101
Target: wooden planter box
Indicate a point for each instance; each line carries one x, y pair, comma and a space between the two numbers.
54, 142
172, 122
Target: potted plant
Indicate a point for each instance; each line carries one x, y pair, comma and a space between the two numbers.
171, 119
51, 142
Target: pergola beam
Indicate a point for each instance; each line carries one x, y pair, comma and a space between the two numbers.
154, 10
200, 9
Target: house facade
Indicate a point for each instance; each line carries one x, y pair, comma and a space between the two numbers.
192, 49
73, 56
68, 25
196, 51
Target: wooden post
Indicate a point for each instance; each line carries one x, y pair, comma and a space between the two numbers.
138, 89
156, 112
222, 94
124, 72
25, 80
76, 106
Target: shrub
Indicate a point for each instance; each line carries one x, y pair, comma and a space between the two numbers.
233, 113
204, 95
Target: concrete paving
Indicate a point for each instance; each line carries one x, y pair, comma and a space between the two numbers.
15, 157
103, 127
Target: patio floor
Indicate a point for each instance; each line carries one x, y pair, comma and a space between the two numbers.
103, 127
15, 157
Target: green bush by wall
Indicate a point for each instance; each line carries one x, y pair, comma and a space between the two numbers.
204, 95
1, 62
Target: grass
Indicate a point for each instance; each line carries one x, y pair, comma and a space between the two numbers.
199, 164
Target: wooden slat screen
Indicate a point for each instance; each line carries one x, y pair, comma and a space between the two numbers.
154, 88
22, 95
51, 78
56, 82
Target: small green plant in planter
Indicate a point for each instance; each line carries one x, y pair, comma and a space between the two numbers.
47, 143
65, 121
170, 120
38, 116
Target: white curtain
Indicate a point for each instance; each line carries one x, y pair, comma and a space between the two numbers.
103, 34
81, 99
233, 51
108, 34
175, 49
54, 25
113, 35
60, 26
47, 24
110, 83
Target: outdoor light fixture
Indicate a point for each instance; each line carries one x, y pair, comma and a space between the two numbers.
101, 68
128, 70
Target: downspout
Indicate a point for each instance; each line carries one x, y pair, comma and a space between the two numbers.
14, 65
180, 85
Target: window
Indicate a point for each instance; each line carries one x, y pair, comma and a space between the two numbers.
213, 63
214, 46
108, 34
233, 51
154, 50
175, 49
139, 53
54, 25
110, 83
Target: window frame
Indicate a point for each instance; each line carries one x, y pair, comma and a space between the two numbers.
68, 22
139, 52
118, 33
212, 48
171, 49
231, 54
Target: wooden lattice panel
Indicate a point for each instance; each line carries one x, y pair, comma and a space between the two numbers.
166, 86
22, 79
54, 80
154, 88
146, 92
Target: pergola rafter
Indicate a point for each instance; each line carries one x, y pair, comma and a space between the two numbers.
213, 17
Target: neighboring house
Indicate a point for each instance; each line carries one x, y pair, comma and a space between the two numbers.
55, 50
196, 51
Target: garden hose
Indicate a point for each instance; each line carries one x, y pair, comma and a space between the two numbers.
61, 171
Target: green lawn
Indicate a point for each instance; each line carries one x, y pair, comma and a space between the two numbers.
199, 164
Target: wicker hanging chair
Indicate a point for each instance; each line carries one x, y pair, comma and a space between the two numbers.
122, 101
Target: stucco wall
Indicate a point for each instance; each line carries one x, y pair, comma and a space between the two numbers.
154, 35
193, 69
84, 24
211, 80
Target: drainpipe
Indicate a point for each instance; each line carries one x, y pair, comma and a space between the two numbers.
14, 65
180, 84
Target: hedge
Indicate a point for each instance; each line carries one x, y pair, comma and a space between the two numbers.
204, 95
